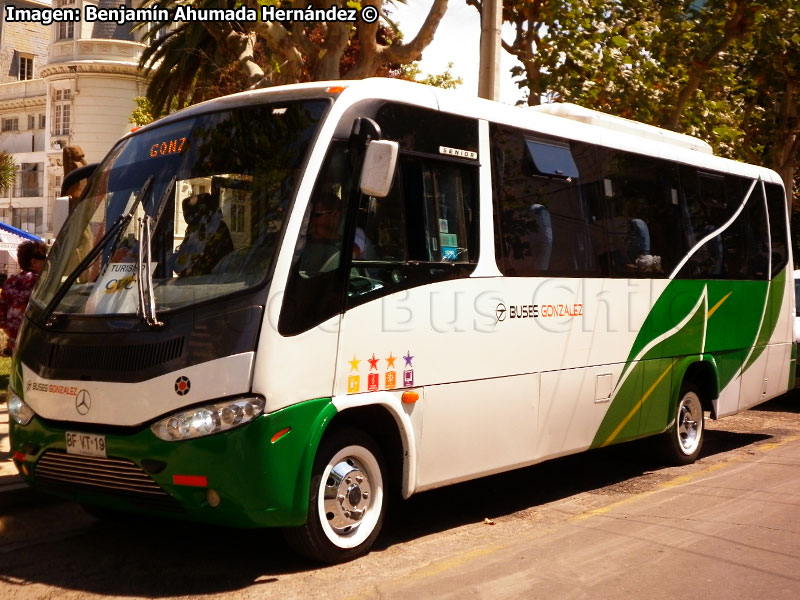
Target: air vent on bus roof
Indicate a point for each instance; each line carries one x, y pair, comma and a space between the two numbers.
622, 125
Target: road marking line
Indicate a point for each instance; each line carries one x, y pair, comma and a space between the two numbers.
446, 564
682, 479
436, 568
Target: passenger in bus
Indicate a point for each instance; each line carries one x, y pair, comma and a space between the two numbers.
17, 290
207, 240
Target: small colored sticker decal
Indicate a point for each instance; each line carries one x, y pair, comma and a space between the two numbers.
354, 363
373, 362
373, 382
408, 358
353, 384
390, 361
391, 380
408, 378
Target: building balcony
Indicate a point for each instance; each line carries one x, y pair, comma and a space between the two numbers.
99, 51
15, 142
22, 94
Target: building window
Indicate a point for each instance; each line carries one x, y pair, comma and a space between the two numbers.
238, 212
31, 121
55, 189
65, 31
42, 121
61, 112
10, 124
29, 180
25, 67
28, 219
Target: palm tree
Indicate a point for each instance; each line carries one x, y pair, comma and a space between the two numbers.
7, 171
197, 60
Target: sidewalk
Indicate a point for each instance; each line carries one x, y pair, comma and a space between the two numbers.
13, 490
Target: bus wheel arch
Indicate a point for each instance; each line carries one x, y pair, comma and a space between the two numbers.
356, 465
380, 423
682, 442
703, 374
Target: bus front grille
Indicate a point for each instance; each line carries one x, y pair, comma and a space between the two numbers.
117, 477
127, 358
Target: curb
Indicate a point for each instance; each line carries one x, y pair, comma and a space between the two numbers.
13, 489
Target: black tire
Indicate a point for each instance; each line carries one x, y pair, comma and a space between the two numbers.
347, 499
682, 442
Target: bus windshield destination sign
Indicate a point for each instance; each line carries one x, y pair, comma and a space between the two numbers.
167, 147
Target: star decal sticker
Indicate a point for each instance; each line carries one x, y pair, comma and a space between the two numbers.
408, 358
373, 362
390, 361
354, 363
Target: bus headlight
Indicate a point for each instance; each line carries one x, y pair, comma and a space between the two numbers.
208, 419
19, 411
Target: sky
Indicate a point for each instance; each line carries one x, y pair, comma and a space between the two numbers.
457, 40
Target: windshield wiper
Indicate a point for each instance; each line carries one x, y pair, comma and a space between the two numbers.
144, 274
112, 235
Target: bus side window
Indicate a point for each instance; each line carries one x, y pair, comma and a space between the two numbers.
314, 283
640, 223
425, 230
776, 205
740, 250
541, 219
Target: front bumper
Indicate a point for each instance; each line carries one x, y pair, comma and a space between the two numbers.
251, 479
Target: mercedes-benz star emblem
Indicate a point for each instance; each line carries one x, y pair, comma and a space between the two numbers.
83, 402
500, 312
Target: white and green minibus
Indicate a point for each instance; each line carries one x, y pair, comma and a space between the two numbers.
278, 308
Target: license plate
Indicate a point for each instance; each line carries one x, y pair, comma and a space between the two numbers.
86, 444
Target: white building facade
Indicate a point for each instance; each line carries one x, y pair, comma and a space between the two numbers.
66, 84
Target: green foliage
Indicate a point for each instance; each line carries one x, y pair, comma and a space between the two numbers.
727, 71
5, 370
7, 172
445, 80
191, 61
143, 113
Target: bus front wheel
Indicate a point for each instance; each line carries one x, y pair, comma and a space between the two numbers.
684, 439
347, 499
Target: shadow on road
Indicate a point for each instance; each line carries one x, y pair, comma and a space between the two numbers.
165, 559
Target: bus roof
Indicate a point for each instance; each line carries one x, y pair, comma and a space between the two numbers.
563, 120
600, 119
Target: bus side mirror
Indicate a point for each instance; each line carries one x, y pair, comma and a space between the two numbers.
78, 176
377, 172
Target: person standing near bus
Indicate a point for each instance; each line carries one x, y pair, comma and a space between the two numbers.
17, 290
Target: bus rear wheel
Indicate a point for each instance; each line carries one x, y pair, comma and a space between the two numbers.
347, 499
684, 439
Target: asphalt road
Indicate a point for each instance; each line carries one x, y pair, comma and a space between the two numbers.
604, 524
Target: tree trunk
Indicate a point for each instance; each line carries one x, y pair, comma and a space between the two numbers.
739, 23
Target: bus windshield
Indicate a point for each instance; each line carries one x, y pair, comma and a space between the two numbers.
216, 189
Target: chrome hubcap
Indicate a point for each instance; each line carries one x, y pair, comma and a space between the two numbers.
347, 495
689, 423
